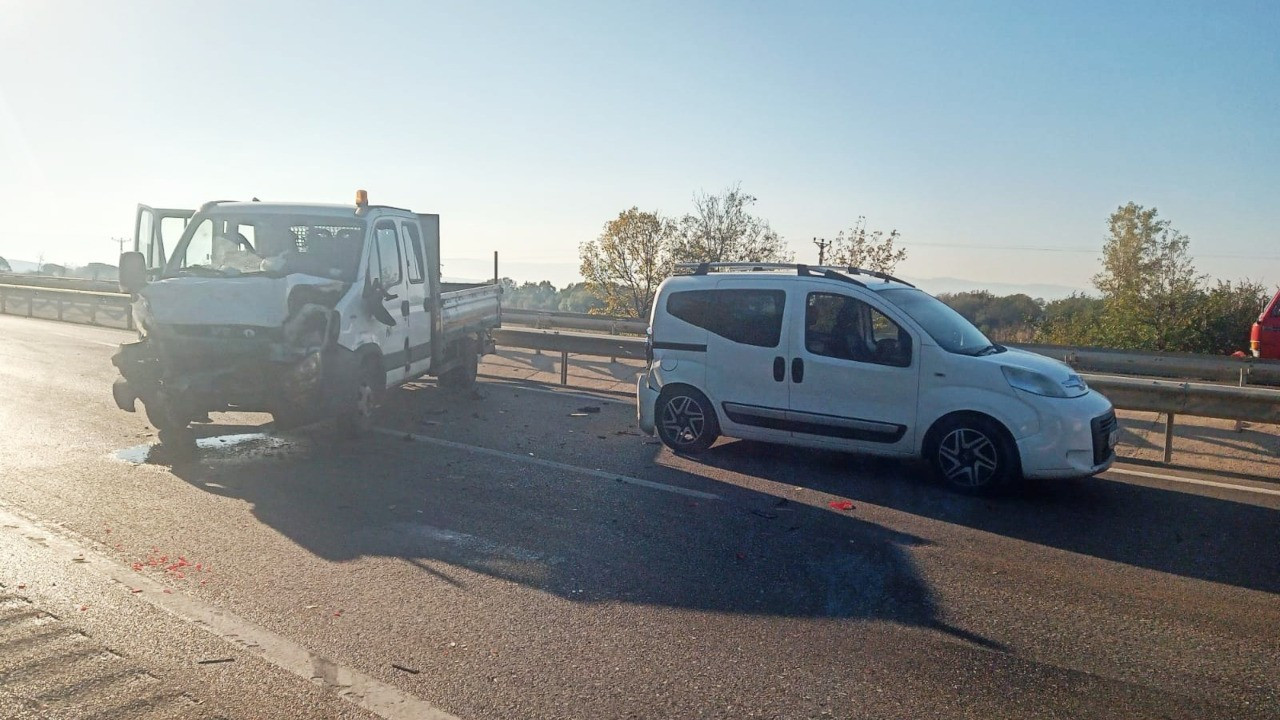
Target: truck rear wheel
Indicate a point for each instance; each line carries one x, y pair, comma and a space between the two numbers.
463, 377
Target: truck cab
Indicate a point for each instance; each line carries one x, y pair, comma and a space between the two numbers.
1264, 341
304, 311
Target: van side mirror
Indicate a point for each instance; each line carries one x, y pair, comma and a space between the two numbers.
133, 272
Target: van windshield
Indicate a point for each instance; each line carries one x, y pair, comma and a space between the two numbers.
947, 327
227, 244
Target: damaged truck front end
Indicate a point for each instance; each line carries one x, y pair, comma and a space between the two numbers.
251, 344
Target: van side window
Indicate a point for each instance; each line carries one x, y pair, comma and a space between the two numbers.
388, 253
750, 317
842, 327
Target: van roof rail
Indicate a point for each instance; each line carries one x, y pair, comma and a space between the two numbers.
826, 271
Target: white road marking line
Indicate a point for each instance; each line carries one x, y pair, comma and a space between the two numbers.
531, 460
1194, 481
383, 700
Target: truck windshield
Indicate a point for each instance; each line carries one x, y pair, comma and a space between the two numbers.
947, 327
227, 244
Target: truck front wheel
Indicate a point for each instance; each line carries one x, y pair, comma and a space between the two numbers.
357, 419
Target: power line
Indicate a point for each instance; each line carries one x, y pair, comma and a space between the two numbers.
1095, 251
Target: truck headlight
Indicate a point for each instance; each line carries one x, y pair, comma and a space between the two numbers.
1040, 384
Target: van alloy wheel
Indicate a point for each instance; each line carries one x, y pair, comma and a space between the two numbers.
686, 422
968, 458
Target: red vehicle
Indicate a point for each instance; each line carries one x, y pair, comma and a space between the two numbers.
1265, 340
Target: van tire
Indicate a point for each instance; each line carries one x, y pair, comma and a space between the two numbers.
974, 455
685, 419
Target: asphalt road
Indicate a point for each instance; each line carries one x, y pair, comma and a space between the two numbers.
527, 554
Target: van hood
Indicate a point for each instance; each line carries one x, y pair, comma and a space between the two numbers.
1053, 369
258, 300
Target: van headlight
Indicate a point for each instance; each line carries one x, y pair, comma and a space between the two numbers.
1040, 384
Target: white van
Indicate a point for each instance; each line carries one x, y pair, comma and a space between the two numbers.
850, 359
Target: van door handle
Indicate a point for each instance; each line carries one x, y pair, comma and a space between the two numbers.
797, 370
779, 369
404, 308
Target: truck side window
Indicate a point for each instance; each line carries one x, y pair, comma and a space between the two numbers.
413, 243
388, 253
750, 317
842, 327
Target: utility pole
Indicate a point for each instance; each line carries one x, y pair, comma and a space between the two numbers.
822, 244
120, 241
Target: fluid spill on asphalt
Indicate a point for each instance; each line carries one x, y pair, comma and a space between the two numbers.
148, 453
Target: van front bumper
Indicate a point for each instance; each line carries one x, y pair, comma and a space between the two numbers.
1077, 438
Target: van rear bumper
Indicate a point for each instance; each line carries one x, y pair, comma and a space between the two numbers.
646, 399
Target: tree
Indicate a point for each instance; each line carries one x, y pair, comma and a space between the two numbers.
626, 263
4, 265
1010, 318
721, 229
579, 298
1225, 315
871, 250
53, 269
1148, 281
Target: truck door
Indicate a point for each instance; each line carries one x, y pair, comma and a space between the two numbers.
156, 231
859, 378
417, 295
390, 268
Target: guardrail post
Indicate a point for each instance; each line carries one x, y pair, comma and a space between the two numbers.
31, 305
93, 312
1168, 437
564, 367
4, 309
59, 309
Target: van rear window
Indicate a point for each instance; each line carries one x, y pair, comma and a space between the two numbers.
750, 317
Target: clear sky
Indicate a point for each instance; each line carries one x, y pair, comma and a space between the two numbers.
971, 127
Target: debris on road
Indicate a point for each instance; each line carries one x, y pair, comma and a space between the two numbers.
589, 409
215, 661
765, 515
409, 670
841, 504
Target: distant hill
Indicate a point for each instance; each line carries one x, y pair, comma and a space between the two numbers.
936, 286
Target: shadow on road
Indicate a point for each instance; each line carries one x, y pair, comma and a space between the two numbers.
584, 539
1166, 530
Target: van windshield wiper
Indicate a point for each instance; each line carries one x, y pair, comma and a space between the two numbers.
990, 350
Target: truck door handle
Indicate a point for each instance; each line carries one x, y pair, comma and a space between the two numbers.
404, 308
797, 370
779, 369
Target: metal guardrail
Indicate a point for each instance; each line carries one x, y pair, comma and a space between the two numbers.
1171, 398
1168, 397
91, 306
1185, 366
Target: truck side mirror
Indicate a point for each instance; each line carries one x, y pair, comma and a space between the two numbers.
133, 272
